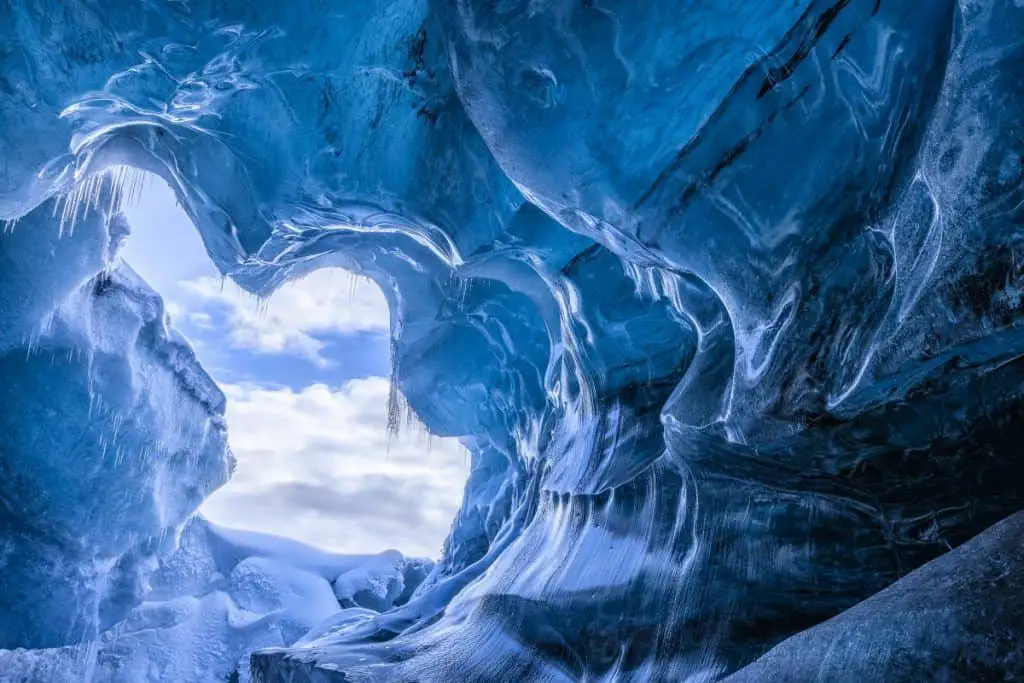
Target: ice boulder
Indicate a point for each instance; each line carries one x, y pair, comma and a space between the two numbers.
385, 581
957, 618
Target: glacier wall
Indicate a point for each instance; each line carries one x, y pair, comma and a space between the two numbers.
113, 433
723, 299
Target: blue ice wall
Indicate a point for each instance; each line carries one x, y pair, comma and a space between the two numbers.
724, 297
113, 433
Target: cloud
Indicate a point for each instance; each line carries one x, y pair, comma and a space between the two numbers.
294, 320
314, 463
317, 464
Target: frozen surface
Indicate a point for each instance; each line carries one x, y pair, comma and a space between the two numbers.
942, 622
725, 303
222, 594
113, 434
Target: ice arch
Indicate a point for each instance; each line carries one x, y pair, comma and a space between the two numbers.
306, 375
719, 383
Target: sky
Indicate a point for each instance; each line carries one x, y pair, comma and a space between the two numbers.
305, 374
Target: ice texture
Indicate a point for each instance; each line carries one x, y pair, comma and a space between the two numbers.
112, 433
723, 297
938, 623
220, 595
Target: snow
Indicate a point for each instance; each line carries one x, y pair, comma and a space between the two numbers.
223, 594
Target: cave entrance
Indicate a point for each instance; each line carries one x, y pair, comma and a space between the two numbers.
306, 375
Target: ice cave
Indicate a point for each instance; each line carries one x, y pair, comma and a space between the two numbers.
723, 298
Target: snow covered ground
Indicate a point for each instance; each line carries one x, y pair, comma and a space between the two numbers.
223, 594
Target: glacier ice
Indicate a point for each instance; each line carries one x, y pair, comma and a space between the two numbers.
723, 299
220, 595
937, 623
113, 434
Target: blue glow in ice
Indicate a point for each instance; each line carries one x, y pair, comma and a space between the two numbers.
724, 298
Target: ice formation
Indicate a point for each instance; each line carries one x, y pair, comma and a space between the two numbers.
723, 297
220, 595
939, 623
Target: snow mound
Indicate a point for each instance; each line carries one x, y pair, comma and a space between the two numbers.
221, 595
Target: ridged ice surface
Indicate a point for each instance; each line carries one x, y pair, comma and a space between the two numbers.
724, 297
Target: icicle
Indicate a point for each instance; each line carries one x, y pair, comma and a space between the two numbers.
353, 284
400, 414
124, 183
394, 407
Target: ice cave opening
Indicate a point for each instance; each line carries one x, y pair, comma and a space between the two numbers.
725, 308
330, 503
326, 450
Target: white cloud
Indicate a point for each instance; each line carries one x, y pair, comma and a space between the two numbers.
295, 318
316, 464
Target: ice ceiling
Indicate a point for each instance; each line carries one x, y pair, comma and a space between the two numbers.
723, 296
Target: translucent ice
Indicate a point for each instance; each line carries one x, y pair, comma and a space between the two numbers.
113, 433
724, 298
